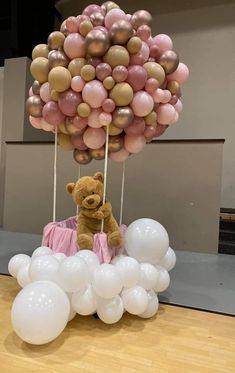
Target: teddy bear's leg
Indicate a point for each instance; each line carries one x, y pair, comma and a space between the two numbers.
113, 232
84, 236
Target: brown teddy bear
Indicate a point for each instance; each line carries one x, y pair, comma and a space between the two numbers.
87, 192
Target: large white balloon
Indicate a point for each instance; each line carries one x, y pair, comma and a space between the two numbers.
169, 260
42, 250
59, 256
72, 313
135, 300
111, 310
148, 276
73, 274
106, 281
16, 262
84, 301
90, 258
44, 267
129, 270
117, 258
152, 306
146, 240
163, 280
40, 312
23, 277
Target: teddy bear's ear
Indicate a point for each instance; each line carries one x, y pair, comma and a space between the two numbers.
99, 176
70, 187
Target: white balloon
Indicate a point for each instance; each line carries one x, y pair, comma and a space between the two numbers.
135, 300
16, 262
152, 306
117, 258
44, 267
169, 260
72, 313
111, 310
148, 276
129, 270
163, 280
84, 302
146, 240
59, 256
106, 281
42, 250
73, 274
90, 258
40, 312
23, 277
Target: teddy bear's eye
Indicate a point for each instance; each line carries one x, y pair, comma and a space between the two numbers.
93, 192
84, 197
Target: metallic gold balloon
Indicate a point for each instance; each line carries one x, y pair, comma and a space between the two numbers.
134, 45
34, 106
85, 27
75, 66
39, 69
109, 5
70, 127
108, 83
97, 19
117, 55
113, 130
121, 31
156, 71
115, 143
151, 119
57, 58
41, 50
55, 95
122, 117
55, 40
173, 86
82, 156
83, 110
36, 87
62, 129
63, 28
141, 17
169, 60
59, 78
87, 72
98, 154
122, 94
65, 141
97, 42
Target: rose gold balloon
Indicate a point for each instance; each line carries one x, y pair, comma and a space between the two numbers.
97, 42
57, 58
122, 117
36, 87
173, 86
103, 70
141, 17
97, 19
63, 28
98, 154
121, 31
82, 156
115, 143
169, 60
109, 5
55, 40
34, 106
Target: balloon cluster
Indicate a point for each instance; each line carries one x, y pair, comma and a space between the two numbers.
104, 68
56, 287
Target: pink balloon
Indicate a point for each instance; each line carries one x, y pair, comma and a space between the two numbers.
45, 92
93, 119
155, 51
94, 138
72, 24
81, 18
142, 104
143, 32
175, 118
134, 144
158, 95
103, 70
105, 118
141, 57
31, 91
94, 93
163, 41
167, 96
136, 128
151, 85
69, 101
78, 142
108, 105
52, 114
74, 46
181, 74
80, 123
47, 126
149, 131
92, 8
128, 16
36, 122
173, 100
161, 128
77, 83
120, 156
165, 114
114, 15
137, 77
120, 73
178, 106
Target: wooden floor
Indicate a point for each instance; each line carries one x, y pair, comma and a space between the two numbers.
178, 340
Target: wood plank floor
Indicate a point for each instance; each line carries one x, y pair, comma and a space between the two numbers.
177, 340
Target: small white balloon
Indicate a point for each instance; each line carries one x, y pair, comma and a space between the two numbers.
135, 300
44, 267
117, 258
110, 310
106, 281
16, 262
148, 276
23, 277
169, 260
40, 312
84, 302
129, 270
146, 240
42, 250
163, 280
73, 274
59, 256
152, 306
90, 258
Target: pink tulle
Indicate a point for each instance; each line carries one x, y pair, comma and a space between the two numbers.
61, 237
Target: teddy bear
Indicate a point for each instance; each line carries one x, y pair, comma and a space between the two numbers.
87, 192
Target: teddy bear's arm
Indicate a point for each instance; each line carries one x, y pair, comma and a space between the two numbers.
106, 209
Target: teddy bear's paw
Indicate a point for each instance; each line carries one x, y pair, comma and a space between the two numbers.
115, 239
85, 241
98, 215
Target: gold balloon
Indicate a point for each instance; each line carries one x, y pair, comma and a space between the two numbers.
83, 110
57, 58
70, 127
134, 45
117, 55
113, 130
122, 94
141, 17
97, 19
85, 27
97, 42
87, 72
62, 129
39, 69
169, 60
154, 70
109, 5
98, 154
34, 106
122, 117
115, 143
108, 83
41, 50
55, 95
75, 66
59, 78
173, 86
63, 28
55, 40
151, 119
82, 156
36, 87
121, 31
65, 141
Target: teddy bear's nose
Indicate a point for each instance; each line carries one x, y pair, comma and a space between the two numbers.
90, 201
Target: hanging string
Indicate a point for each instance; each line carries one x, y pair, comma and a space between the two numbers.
122, 192
79, 175
55, 176
105, 171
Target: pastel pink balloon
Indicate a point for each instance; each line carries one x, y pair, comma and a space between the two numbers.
52, 114
178, 106
128, 16
120, 73
45, 126
72, 24
173, 100
105, 118
167, 96
175, 118
151, 85
142, 104
136, 127
108, 105
35, 122
143, 32
155, 51
158, 95
160, 129
92, 8
94, 138
31, 91
77, 83
114, 15
134, 144
93, 118
74, 46
120, 156
78, 142
137, 77
163, 41
141, 57
81, 18
165, 113
94, 93
69, 101
103, 70
45, 92
181, 74
149, 131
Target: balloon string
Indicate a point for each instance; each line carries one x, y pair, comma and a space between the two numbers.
122, 192
55, 176
105, 171
79, 175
